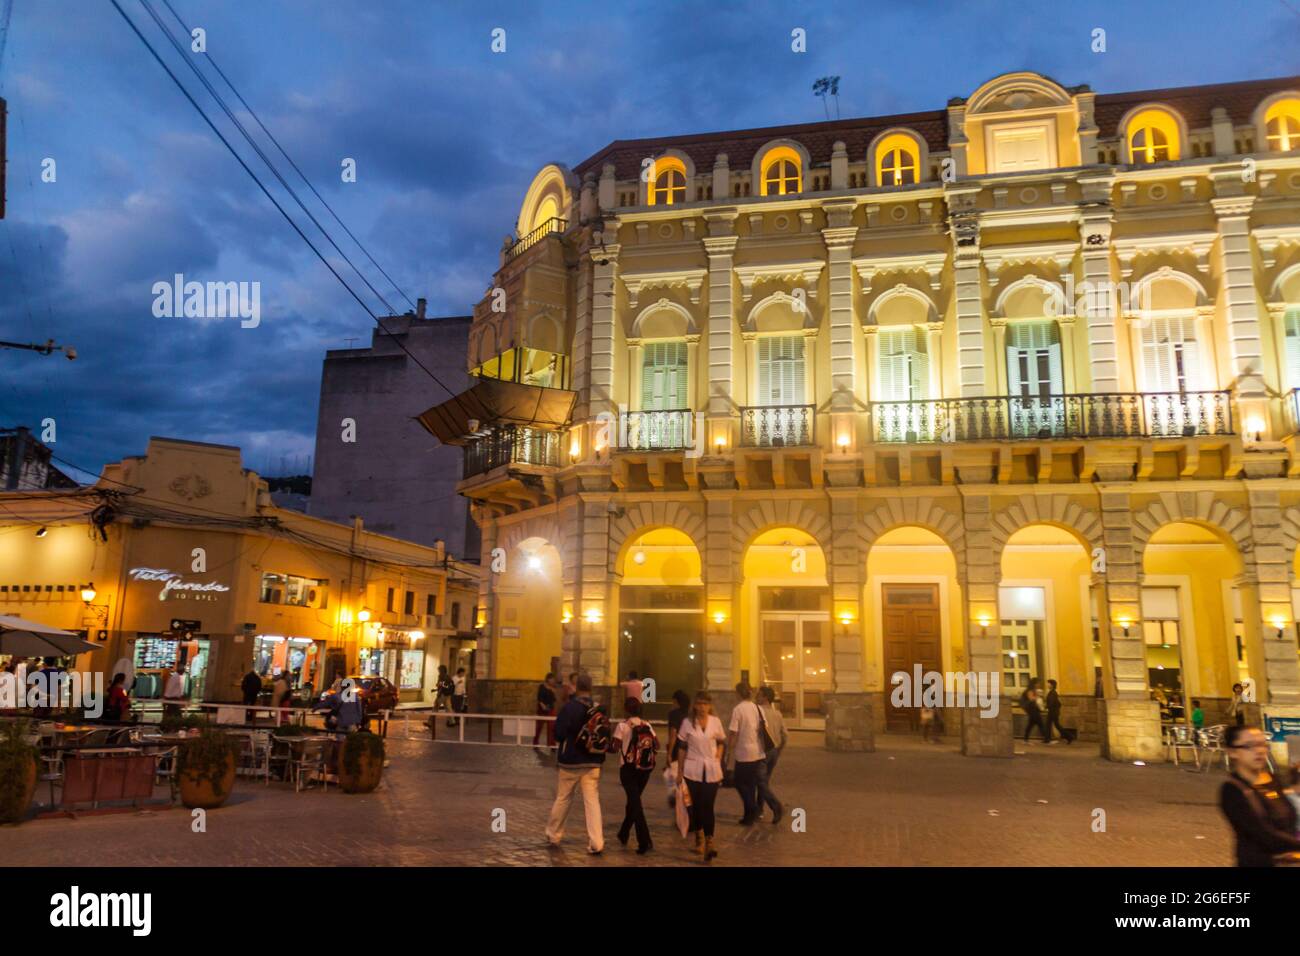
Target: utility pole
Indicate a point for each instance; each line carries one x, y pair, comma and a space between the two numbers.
48, 348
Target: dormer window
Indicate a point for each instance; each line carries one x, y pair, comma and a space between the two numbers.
669, 185
1282, 126
1153, 137
896, 161
781, 173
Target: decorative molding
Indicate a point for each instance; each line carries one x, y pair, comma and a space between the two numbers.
806, 272
690, 279
998, 258
1271, 238
931, 263
1198, 244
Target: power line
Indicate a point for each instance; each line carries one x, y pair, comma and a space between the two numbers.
289, 219
185, 26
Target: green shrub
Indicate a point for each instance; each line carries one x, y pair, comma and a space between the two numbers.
207, 757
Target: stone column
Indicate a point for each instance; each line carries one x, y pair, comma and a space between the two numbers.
601, 397
983, 735
720, 642
1240, 297
592, 617
720, 247
484, 657
934, 349
582, 337
1097, 302
1273, 660
570, 548
839, 238
633, 397
1000, 383
964, 226
1129, 719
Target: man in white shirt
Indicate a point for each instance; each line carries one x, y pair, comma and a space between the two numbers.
174, 690
746, 747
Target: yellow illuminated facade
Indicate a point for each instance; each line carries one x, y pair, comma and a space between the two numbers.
1008, 387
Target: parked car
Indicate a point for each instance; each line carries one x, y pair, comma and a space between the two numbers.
376, 693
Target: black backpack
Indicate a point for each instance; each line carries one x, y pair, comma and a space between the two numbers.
641, 746
593, 736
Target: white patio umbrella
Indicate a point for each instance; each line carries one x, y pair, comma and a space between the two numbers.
25, 638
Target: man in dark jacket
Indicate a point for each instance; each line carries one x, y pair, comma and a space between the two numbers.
578, 767
1054, 715
251, 686
545, 708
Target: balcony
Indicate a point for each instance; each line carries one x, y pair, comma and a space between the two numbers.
671, 430
1101, 415
777, 426
524, 243
512, 445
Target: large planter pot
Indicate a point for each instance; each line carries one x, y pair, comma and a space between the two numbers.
206, 790
14, 809
369, 772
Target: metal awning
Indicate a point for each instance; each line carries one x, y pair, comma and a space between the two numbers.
490, 402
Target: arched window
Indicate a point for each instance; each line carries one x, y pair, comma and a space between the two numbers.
904, 366
781, 370
781, 173
547, 210
1282, 126
1153, 137
669, 185
896, 161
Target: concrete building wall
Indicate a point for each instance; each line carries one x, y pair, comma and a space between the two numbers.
385, 468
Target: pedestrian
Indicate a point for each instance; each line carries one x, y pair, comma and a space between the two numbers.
251, 688
746, 748
633, 686
635, 741
459, 699
568, 689
1198, 715
1029, 704
928, 717
1262, 819
545, 708
1054, 716
442, 700
282, 696
700, 765
118, 706
775, 727
675, 718
174, 691
582, 735
1236, 713
772, 736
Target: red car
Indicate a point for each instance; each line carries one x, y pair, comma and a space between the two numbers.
375, 693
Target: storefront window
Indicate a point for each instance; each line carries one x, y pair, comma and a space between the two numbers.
661, 636
372, 661
294, 590
412, 673
300, 656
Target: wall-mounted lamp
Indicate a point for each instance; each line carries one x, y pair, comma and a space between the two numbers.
984, 619
638, 557
534, 563
1255, 428
363, 615
42, 532
417, 635
566, 616
843, 440
593, 615
1279, 624
719, 617
719, 441
1125, 623
88, 592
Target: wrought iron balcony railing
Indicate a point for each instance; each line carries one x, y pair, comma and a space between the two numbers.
512, 445
524, 243
1099, 415
657, 430
777, 426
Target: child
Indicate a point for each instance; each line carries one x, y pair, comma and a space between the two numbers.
1198, 715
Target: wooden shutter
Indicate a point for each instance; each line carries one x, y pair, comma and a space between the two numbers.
1026, 342
1164, 337
1292, 322
781, 370
663, 376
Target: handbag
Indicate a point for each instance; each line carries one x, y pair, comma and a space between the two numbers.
764, 738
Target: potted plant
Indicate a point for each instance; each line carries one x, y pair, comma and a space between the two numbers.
362, 763
17, 771
172, 723
205, 768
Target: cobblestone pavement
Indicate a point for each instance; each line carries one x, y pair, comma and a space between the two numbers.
906, 804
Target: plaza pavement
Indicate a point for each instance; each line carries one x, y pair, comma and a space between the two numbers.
908, 803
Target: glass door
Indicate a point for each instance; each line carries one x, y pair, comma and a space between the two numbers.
797, 665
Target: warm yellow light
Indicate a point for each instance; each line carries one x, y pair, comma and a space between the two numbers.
566, 616
720, 441
846, 617
593, 615
534, 563
1255, 426
984, 618
639, 557
363, 615
719, 617
843, 441
88, 592
575, 449
1279, 622
417, 635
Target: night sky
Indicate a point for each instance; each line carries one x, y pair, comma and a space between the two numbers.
446, 136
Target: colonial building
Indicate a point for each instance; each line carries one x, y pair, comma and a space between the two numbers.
179, 556
1006, 387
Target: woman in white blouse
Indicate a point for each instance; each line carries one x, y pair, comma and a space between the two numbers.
699, 763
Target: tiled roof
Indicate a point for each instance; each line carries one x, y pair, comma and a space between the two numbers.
1193, 102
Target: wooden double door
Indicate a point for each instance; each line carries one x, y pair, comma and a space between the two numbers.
912, 635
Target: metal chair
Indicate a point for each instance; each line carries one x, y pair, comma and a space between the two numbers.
1210, 740
255, 754
166, 765
1179, 737
310, 764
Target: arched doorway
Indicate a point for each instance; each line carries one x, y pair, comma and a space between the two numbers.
913, 601
661, 615
1192, 625
1047, 620
786, 606
528, 601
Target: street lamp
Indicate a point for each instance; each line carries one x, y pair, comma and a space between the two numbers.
363, 615
88, 592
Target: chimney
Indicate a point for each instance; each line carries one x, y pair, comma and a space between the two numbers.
419, 307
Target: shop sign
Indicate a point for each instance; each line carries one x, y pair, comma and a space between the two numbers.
509, 632
1280, 728
175, 586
